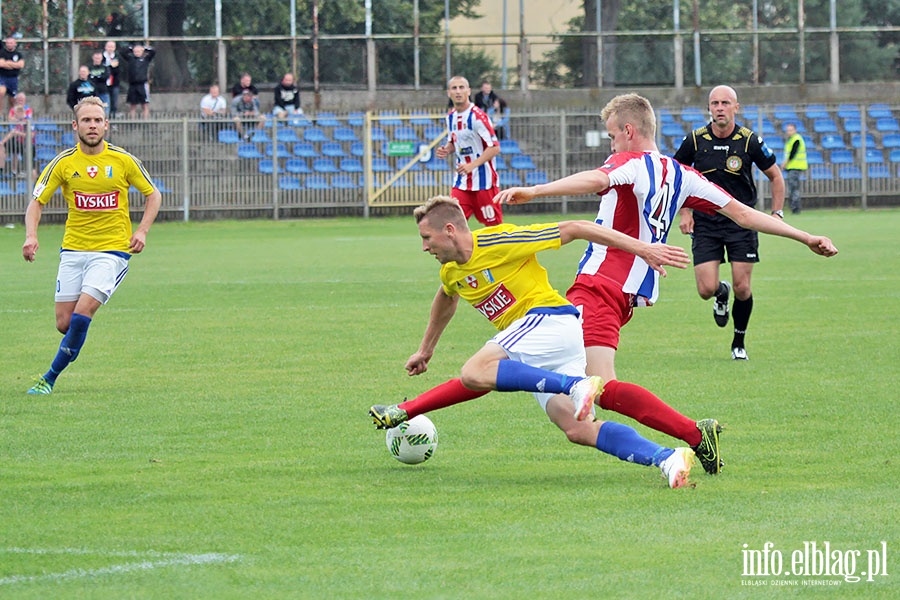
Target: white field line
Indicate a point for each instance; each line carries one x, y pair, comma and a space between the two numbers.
161, 559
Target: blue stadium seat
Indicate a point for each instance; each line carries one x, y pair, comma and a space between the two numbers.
296, 165
344, 134
841, 157
425, 179
880, 111
299, 121
327, 119
306, 150
691, 113
768, 128
44, 125
44, 154
267, 166
260, 137
378, 135
522, 162
440, 164
783, 112
894, 155
323, 165
249, 150
434, 131
405, 134
315, 134
420, 118
281, 148
356, 119
42, 138
510, 147
357, 149
390, 119
317, 182
849, 172
344, 182
891, 140
856, 140
509, 179
821, 172
381, 165
698, 124
750, 114
816, 111
500, 163
825, 126
874, 155
287, 135
887, 124
833, 142
879, 172
852, 125
775, 142
814, 157
536, 177
351, 165
672, 130
333, 149
289, 183
848, 111
666, 116
226, 136
67, 139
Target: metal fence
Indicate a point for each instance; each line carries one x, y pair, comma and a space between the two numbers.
365, 163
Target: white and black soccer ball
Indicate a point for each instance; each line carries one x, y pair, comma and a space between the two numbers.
414, 441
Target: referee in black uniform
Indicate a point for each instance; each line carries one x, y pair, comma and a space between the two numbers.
725, 153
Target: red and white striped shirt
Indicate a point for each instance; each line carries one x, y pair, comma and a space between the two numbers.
645, 194
471, 132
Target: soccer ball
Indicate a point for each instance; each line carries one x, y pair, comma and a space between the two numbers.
414, 441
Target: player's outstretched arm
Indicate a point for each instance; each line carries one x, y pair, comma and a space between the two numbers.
32, 218
443, 307
750, 218
579, 184
655, 255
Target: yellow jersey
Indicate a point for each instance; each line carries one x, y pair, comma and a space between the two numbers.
96, 189
503, 278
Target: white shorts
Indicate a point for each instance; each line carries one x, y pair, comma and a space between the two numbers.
552, 342
96, 274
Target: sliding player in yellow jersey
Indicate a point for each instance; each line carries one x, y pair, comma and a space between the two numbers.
539, 347
98, 241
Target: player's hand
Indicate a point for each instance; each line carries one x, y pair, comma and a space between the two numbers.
514, 195
822, 246
442, 152
657, 255
30, 248
138, 242
465, 168
687, 223
417, 364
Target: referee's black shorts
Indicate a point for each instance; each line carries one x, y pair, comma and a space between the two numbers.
712, 243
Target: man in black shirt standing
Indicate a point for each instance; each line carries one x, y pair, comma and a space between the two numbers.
725, 152
138, 61
11, 63
99, 76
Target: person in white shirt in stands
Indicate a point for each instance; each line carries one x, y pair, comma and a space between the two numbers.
213, 109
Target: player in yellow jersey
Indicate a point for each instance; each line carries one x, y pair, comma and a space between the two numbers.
98, 241
539, 347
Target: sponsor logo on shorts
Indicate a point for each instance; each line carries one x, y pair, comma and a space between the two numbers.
108, 201
497, 303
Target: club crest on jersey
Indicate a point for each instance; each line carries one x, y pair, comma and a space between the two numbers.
92, 171
733, 163
472, 281
488, 275
108, 172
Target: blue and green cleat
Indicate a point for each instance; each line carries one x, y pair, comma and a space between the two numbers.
41, 387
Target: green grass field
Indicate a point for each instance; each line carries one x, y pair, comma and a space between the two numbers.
212, 439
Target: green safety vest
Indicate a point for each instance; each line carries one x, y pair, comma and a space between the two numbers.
799, 160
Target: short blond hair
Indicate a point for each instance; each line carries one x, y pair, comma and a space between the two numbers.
634, 109
89, 101
443, 209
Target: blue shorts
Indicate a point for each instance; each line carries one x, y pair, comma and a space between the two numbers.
11, 84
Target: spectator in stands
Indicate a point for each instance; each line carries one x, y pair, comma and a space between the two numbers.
246, 83
500, 117
98, 73
21, 100
138, 60
82, 87
111, 60
13, 143
471, 137
725, 153
11, 63
287, 98
486, 98
245, 110
213, 109
793, 165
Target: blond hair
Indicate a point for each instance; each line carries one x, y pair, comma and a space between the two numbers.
443, 209
634, 109
89, 101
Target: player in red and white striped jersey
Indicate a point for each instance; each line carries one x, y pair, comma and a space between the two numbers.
471, 136
641, 192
